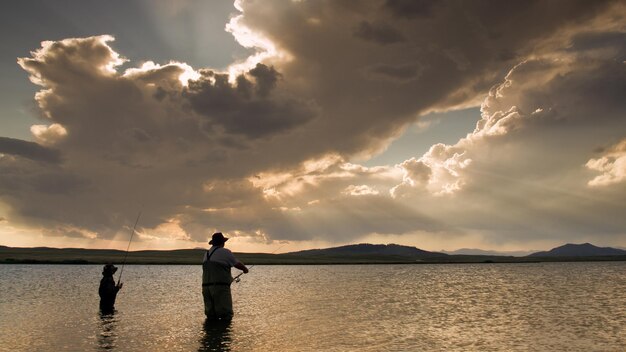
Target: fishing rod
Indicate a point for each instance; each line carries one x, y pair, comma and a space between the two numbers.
237, 278
127, 248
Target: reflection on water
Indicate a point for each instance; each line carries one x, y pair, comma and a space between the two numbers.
216, 336
107, 337
478, 307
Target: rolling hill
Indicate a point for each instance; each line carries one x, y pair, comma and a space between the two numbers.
579, 250
366, 249
351, 254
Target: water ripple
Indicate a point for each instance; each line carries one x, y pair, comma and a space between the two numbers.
483, 307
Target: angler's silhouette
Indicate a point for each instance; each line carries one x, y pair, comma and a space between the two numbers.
108, 289
216, 279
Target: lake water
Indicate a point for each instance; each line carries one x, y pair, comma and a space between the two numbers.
481, 307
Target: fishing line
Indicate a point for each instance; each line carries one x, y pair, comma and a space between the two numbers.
237, 278
127, 248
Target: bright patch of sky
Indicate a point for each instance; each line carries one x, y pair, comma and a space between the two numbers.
447, 128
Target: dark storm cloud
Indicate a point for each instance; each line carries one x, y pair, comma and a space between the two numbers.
399, 73
265, 79
380, 33
451, 59
410, 9
41, 194
247, 107
600, 41
29, 150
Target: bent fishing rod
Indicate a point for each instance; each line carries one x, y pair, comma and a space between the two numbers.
237, 278
127, 248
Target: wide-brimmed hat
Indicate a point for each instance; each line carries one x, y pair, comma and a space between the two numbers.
109, 269
218, 239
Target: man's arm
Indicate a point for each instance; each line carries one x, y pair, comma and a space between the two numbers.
240, 266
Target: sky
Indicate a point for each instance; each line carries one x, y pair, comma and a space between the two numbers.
302, 124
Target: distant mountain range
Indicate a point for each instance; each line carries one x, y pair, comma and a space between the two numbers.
366, 249
579, 250
371, 250
351, 254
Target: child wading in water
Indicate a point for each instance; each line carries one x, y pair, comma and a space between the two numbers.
108, 289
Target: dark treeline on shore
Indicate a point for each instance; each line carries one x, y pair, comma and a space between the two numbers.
361, 254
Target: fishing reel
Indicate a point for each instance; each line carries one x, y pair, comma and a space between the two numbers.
237, 279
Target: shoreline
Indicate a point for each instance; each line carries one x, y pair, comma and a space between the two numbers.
76, 256
304, 262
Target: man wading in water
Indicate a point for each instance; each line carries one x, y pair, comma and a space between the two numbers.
216, 279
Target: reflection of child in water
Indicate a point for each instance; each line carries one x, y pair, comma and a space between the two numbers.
108, 289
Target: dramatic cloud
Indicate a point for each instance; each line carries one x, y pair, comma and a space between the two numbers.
267, 149
525, 161
379, 33
246, 107
28, 150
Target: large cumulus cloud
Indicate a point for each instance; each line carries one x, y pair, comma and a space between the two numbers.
141, 138
263, 150
524, 172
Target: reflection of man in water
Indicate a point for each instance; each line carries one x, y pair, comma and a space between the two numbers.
108, 336
216, 279
108, 289
216, 337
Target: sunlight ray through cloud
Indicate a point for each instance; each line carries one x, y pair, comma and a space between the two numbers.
293, 138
